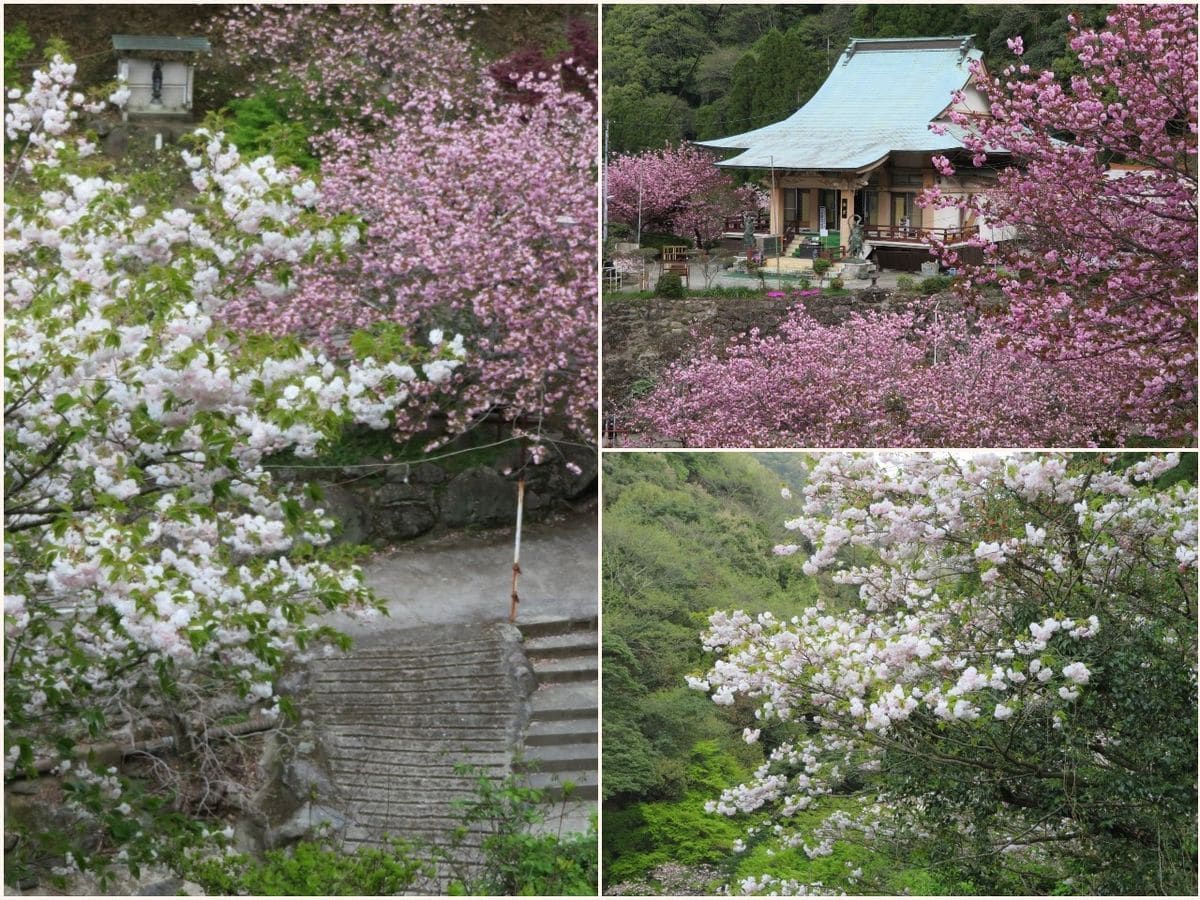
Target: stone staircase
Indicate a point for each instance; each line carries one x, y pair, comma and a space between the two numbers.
390, 720
561, 739
398, 713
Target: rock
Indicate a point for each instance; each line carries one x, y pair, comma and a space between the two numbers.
421, 473
27, 786
402, 520
116, 143
347, 508
167, 888
392, 494
304, 822
307, 781
479, 497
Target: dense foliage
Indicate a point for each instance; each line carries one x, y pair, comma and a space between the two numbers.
685, 533
513, 862
1012, 695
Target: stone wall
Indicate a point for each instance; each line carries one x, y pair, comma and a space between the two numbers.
381, 503
643, 337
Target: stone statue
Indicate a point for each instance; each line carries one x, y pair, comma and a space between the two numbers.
855, 243
748, 229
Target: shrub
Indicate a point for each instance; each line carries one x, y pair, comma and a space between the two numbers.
259, 125
935, 284
821, 266
669, 285
804, 282
837, 283
17, 45
313, 869
516, 862
906, 283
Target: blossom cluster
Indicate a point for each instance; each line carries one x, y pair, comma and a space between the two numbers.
917, 378
991, 593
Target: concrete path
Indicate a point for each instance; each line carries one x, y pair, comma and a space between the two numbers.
468, 578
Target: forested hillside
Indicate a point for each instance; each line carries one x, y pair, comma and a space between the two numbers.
684, 534
681, 72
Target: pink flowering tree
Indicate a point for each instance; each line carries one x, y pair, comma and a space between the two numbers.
156, 576
677, 189
1010, 698
918, 378
478, 206
1103, 199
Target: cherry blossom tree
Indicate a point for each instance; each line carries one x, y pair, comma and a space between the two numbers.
677, 189
156, 576
918, 378
1012, 696
478, 206
1103, 197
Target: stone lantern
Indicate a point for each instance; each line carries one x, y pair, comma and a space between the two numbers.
159, 72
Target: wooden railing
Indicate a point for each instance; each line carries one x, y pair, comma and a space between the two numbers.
917, 235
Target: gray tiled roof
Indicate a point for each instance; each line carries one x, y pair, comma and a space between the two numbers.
880, 97
160, 43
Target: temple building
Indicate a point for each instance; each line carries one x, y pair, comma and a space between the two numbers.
862, 146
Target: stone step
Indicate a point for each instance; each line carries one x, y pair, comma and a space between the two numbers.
544, 732
571, 643
431, 739
381, 693
570, 668
409, 656
586, 784
561, 758
538, 627
571, 817
409, 674
383, 705
392, 755
564, 701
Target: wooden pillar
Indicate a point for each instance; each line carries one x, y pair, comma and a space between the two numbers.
923, 219
776, 208
845, 212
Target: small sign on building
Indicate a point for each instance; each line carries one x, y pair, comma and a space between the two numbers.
159, 72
